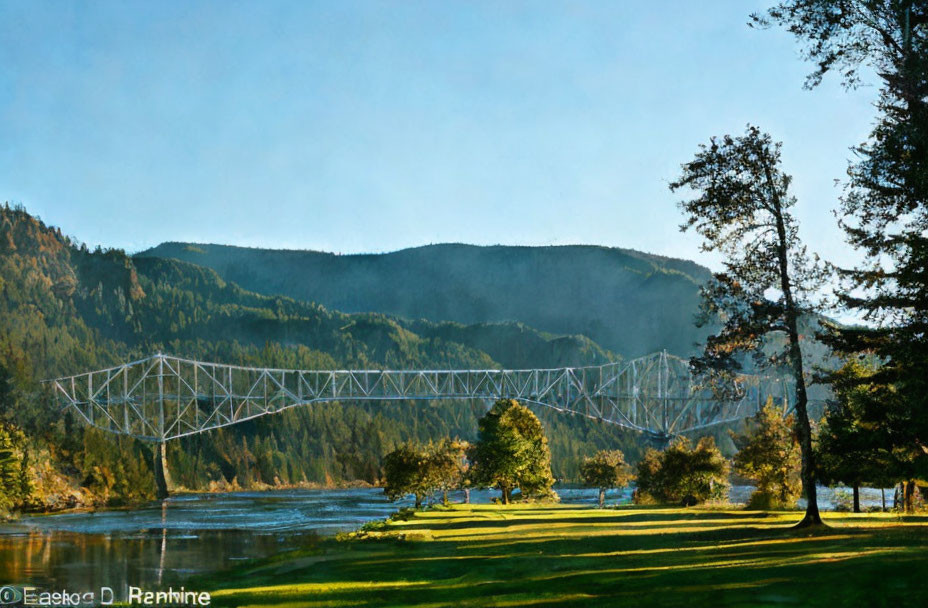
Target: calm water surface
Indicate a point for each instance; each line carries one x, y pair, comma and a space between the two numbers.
165, 543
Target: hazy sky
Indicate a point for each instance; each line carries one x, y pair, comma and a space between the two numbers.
372, 126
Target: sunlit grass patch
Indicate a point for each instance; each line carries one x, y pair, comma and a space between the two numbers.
310, 588
517, 555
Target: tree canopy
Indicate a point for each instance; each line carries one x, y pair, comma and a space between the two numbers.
406, 470
604, 470
768, 454
511, 452
683, 474
884, 206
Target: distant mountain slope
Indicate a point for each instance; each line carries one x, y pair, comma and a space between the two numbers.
65, 309
629, 302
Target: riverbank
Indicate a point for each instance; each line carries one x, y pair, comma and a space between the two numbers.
489, 555
73, 498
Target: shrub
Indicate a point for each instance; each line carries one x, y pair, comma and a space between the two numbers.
684, 475
764, 501
842, 501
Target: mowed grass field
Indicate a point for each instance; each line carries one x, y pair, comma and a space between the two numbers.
535, 555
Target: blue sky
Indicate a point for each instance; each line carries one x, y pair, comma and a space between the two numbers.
372, 126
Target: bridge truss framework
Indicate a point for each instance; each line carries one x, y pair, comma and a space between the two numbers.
162, 397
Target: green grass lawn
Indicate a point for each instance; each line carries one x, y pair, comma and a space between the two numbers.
489, 555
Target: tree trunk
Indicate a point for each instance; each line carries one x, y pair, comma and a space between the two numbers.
161, 472
505, 491
883, 499
444, 497
466, 496
910, 496
602, 497
812, 516
418, 501
856, 498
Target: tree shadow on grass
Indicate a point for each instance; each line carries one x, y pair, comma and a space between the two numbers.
743, 578
741, 565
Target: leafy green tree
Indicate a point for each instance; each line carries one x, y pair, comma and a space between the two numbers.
741, 208
884, 208
604, 470
853, 444
648, 477
684, 475
768, 454
448, 465
511, 452
406, 470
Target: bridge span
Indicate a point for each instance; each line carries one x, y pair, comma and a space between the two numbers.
162, 397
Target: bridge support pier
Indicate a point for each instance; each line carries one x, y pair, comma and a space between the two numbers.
660, 441
162, 474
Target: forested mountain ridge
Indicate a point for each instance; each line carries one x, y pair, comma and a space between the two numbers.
138, 305
630, 302
65, 308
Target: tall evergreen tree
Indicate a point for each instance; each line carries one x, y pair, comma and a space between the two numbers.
741, 208
855, 444
884, 208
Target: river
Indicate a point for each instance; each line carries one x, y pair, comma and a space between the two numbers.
165, 543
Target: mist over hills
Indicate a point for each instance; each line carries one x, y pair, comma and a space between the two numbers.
629, 302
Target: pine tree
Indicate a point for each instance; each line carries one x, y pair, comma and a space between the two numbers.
884, 208
855, 443
742, 209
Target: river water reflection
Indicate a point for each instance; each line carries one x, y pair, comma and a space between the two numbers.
165, 543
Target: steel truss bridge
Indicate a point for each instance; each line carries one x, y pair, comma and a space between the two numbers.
163, 397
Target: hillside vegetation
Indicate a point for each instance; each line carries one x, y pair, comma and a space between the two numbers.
629, 302
65, 309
